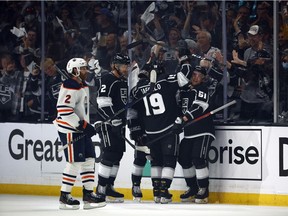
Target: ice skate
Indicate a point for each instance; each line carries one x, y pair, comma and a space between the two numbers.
91, 200
202, 196
101, 192
137, 193
189, 195
67, 202
156, 193
166, 197
113, 196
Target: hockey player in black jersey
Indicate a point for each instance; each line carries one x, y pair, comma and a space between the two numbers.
112, 97
160, 111
72, 122
197, 139
137, 134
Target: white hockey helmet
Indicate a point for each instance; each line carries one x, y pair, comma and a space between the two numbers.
75, 63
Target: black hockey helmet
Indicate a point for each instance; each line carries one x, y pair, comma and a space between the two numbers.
121, 59
144, 74
200, 70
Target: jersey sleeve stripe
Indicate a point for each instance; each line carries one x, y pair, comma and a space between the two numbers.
64, 110
65, 125
104, 102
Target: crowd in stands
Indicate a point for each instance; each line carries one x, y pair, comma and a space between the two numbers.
99, 29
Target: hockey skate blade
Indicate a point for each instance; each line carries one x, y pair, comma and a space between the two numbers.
157, 199
201, 201
190, 199
110, 199
137, 199
63, 206
88, 205
164, 200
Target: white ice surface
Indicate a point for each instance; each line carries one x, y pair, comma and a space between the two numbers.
20, 205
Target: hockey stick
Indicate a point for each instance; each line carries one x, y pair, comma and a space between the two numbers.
153, 78
195, 120
71, 142
144, 149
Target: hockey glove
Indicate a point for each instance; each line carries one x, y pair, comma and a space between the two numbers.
118, 127
177, 128
136, 131
116, 122
101, 126
86, 128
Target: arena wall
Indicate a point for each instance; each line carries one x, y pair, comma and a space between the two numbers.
248, 164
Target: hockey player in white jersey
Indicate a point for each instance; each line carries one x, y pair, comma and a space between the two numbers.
72, 123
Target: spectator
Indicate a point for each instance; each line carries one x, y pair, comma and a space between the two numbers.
283, 41
25, 112
31, 20
53, 82
256, 42
170, 57
29, 49
194, 50
230, 17
256, 96
11, 86
123, 42
241, 26
264, 20
105, 53
284, 19
192, 23
283, 74
67, 19
105, 20
27, 15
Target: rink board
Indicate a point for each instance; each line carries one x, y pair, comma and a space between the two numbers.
248, 164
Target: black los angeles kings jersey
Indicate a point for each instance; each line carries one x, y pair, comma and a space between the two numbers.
195, 103
160, 109
112, 96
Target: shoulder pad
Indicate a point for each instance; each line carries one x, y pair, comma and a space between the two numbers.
71, 84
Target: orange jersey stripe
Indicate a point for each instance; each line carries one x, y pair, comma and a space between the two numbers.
68, 179
63, 122
88, 176
70, 149
64, 110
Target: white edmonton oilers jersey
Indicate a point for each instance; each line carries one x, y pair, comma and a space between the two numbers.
72, 106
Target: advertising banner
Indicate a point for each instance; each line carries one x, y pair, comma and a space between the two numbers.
251, 159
